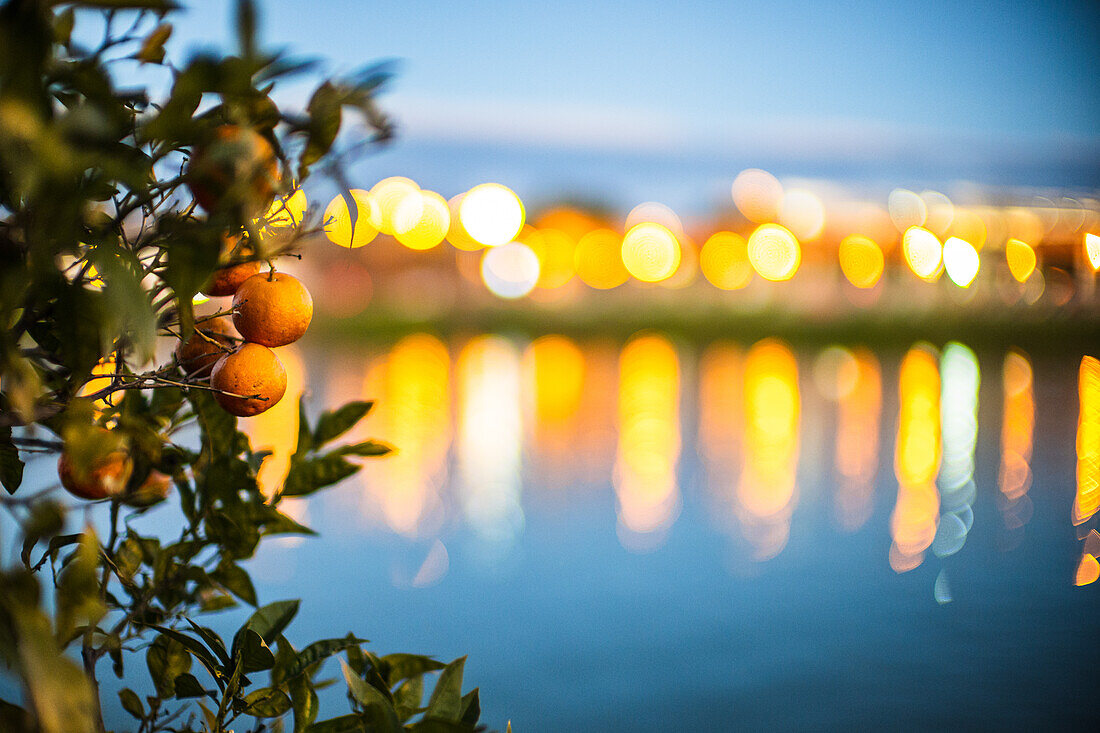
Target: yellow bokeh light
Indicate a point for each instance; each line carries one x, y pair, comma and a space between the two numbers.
724, 261
1021, 259
650, 252
803, 213
1087, 500
961, 261
555, 250
758, 195
1017, 429
969, 226
923, 252
276, 429
651, 211
599, 261
422, 224
456, 235
491, 214
1092, 250
861, 260
556, 365
389, 194
288, 211
774, 252
510, 270
348, 230
857, 431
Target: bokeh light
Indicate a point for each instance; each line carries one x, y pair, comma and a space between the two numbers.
556, 251
757, 195
1092, 250
390, 194
422, 221
456, 234
858, 385
774, 252
650, 252
655, 213
724, 261
491, 214
907, 209
923, 252
510, 271
287, 211
959, 433
599, 261
861, 260
803, 213
349, 228
1087, 500
1021, 259
961, 261
1017, 436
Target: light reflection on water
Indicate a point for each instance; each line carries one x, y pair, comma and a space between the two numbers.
658, 497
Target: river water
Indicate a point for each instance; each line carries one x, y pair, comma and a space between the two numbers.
659, 535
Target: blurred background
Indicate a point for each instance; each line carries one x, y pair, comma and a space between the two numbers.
739, 360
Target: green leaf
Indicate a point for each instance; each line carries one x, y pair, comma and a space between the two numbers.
375, 705
304, 701
446, 700
197, 649
366, 448
166, 659
152, 48
268, 702
213, 641
131, 703
78, 600
407, 698
471, 707
308, 476
236, 580
253, 651
333, 424
404, 666
343, 724
11, 468
317, 651
187, 685
324, 122
270, 620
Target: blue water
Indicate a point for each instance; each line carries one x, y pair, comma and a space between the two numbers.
570, 630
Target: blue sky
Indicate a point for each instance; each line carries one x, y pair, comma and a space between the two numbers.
559, 93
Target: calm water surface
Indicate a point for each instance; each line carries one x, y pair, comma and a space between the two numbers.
656, 535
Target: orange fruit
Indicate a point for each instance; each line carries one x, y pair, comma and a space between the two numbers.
273, 310
226, 280
107, 475
153, 489
254, 377
237, 167
197, 355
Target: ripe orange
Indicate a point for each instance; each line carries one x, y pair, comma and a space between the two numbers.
272, 310
253, 375
237, 167
107, 475
226, 280
196, 355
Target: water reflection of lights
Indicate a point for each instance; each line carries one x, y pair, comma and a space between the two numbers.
554, 371
1017, 430
1087, 500
859, 407
959, 431
767, 490
720, 417
413, 388
491, 214
724, 261
650, 252
774, 252
349, 228
916, 459
649, 440
489, 441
